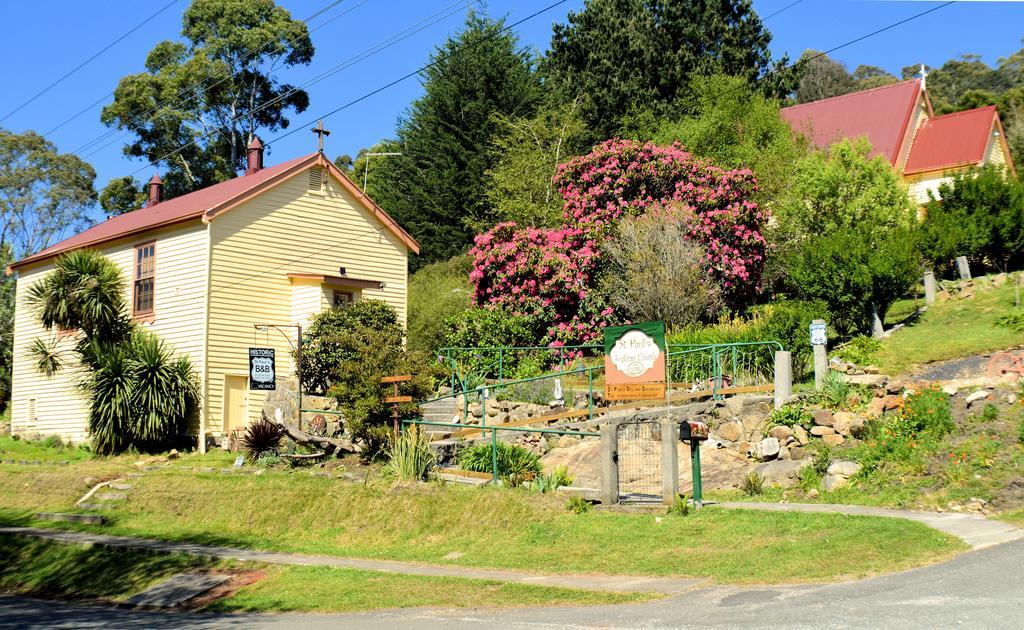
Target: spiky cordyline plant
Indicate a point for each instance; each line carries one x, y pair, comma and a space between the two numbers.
262, 438
139, 395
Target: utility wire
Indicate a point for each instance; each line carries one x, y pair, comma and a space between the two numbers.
84, 63
120, 131
785, 8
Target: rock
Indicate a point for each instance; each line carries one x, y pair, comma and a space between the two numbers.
730, 431
976, 396
832, 440
766, 449
797, 452
800, 434
174, 454
871, 369
894, 386
868, 380
823, 417
812, 493
842, 421
519, 413
783, 473
781, 433
567, 441
843, 468
1011, 398
891, 402
834, 482
821, 431
876, 406
476, 410
746, 448
753, 425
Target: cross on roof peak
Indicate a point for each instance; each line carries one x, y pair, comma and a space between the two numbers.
320, 132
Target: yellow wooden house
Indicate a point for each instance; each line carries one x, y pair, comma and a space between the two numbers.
271, 247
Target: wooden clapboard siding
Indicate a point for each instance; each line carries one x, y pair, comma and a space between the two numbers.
288, 228
179, 321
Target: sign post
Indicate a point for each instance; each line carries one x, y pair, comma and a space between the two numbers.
262, 369
634, 361
394, 400
818, 343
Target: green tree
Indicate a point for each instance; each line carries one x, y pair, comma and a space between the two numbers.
44, 196
822, 77
868, 77
437, 292
733, 125
436, 188
617, 56
121, 195
213, 91
845, 235
520, 185
981, 216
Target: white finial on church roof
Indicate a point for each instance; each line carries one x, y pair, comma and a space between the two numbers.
924, 76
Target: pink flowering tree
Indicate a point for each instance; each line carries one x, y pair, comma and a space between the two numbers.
552, 275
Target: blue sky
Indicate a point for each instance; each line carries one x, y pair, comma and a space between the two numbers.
44, 40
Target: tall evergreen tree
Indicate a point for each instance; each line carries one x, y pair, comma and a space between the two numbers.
435, 189
625, 55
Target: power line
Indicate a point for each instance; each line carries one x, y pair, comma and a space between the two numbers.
84, 63
182, 92
785, 8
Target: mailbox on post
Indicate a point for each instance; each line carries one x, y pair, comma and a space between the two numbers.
694, 432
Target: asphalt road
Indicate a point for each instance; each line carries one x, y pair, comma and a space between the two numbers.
979, 589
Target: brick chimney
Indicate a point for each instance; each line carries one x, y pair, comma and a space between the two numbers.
155, 187
255, 156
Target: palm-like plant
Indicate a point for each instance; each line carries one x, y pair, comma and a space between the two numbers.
139, 395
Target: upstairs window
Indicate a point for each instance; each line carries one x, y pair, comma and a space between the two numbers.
144, 281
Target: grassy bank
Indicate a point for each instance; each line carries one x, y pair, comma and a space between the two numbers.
951, 329
514, 529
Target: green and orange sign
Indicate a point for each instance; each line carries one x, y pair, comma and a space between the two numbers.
634, 361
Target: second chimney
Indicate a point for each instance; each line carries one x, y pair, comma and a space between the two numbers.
155, 191
255, 156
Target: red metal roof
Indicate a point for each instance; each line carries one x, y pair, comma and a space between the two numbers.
882, 114
207, 202
952, 140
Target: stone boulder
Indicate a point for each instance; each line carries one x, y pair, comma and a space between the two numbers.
823, 418
781, 433
782, 473
730, 431
767, 449
842, 422
822, 431
800, 434
868, 380
977, 396
839, 473
833, 440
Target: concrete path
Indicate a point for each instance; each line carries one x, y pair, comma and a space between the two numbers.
975, 530
614, 583
978, 589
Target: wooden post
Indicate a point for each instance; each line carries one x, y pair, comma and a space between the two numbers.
394, 400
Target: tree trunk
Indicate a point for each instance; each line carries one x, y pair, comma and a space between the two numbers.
330, 446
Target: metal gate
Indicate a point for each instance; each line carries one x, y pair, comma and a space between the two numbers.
638, 448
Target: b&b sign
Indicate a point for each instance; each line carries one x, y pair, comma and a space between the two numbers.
261, 369
634, 361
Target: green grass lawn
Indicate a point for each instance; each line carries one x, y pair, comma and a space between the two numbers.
951, 329
495, 527
1015, 517
326, 589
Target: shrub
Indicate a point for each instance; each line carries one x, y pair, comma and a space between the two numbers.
553, 274
1013, 320
835, 391
347, 351
990, 413
787, 321
578, 505
821, 455
656, 274
516, 465
1020, 431
809, 478
753, 484
860, 350
437, 292
681, 507
557, 478
261, 439
54, 442
410, 457
493, 328
927, 410
789, 416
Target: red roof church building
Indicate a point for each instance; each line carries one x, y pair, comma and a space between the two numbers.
898, 120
